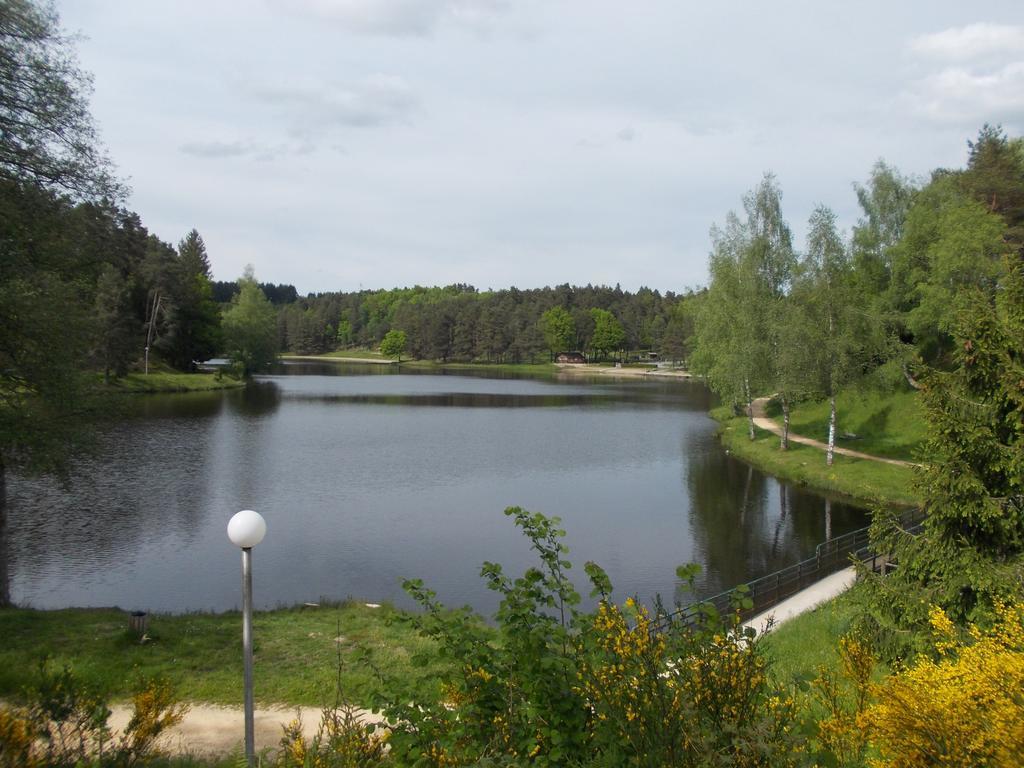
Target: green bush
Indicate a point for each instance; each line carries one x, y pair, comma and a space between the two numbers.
553, 685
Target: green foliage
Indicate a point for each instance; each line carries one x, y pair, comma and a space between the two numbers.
558, 328
250, 327
191, 330
971, 552
884, 200
393, 344
116, 335
608, 335
48, 135
739, 329
555, 685
952, 245
463, 324
45, 333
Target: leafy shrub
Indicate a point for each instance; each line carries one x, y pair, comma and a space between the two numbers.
552, 685
65, 724
341, 741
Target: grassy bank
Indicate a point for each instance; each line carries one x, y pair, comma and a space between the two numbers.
295, 651
890, 425
810, 641
170, 381
864, 481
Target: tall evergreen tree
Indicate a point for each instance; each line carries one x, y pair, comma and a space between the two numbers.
971, 552
192, 328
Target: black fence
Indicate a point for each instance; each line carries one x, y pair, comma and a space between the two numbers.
829, 557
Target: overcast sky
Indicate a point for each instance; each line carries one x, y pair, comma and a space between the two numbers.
339, 144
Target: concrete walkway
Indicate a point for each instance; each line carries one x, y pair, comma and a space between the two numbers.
761, 421
806, 599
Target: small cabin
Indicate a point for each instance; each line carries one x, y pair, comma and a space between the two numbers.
576, 358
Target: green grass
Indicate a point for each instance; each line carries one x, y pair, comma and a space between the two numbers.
200, 654
865, 481
891, 425
798, 648
170, 381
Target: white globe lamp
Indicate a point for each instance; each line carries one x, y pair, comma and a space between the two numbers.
246, 529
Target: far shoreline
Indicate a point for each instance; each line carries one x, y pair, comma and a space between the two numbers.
570, 368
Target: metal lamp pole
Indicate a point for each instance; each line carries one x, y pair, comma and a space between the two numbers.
246, 529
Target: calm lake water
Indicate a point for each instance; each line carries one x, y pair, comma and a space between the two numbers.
366, 477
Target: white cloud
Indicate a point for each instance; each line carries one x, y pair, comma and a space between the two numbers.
971, 42
403, 18
377, 100
626, 134
980, 74
959, 95
215, 148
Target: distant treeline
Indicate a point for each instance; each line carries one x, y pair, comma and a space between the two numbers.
461, 323
224, 291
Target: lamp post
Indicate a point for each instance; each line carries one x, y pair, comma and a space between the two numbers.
246, 529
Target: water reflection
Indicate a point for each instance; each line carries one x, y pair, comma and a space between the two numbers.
747, 522
5, 579
258, 398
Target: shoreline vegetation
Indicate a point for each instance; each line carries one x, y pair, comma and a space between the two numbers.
861, 480
169, 382
588, 369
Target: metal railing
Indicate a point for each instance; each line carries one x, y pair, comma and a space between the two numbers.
768, 591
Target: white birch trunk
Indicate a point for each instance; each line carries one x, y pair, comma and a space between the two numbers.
830, 453
750, 408
784, 442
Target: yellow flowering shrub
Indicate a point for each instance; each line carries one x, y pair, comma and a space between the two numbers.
964, 707
341, 741
844, 697
17, 739
65, 724
685, 696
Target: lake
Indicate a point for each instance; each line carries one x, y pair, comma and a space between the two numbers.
367, 476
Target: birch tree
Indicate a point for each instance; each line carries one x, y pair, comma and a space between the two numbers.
737, 329
827, 293
723, 333
771, 262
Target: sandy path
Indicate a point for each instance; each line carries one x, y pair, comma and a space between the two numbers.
217, 730
630, 372
763, 422
326, 358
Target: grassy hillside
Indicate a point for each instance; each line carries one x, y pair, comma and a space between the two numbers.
890, 425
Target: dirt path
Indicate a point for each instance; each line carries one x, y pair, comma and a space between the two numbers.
763, 422
216, 730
